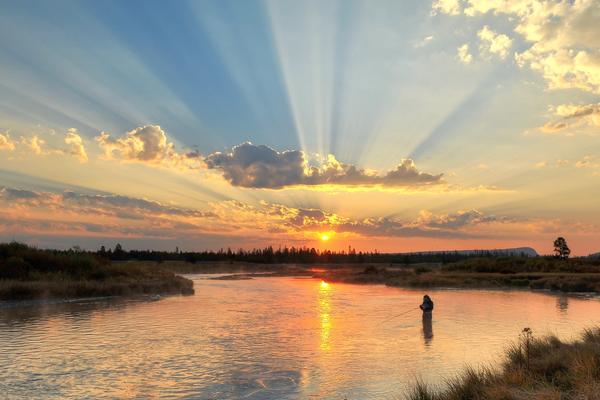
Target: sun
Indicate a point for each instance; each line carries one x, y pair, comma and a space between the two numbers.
325, 237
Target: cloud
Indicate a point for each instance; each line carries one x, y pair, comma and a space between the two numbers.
563, 37
96, 204
494, 43
588, 162
146, 144
252, 166
453, 225
6, 143
456, 220
463, 54
424, 42
75, 142
245, 165
100, 215
13, 194
38, 146
451, 7
35, 144
426, 224
553, 127
573, 116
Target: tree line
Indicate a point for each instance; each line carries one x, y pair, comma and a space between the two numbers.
299, 255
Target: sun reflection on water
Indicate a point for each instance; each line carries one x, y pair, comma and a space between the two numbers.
324, 298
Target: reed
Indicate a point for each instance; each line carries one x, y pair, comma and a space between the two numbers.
533, 368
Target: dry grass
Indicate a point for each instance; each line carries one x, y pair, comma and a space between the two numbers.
554, 370
30, 273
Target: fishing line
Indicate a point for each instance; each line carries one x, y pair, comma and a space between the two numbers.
396, 316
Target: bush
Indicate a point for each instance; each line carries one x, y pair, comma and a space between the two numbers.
422, 270
14, 268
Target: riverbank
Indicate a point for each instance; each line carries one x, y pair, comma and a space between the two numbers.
27, 273
540, 273
413, 278
534, 368
568, 276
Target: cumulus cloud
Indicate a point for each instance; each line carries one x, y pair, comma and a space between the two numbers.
463, 54
146, 144
35, 144
252, 166
563, 37
75, 142
6, 143
494, 43
451, 7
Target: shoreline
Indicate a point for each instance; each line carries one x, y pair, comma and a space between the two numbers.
76, 290
28, 273
421, 276
90, 277
540, 368
249, 276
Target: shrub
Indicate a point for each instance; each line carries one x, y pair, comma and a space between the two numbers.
14, 268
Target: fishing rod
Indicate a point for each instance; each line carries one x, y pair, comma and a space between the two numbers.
399, 315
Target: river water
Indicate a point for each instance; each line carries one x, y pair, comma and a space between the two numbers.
268, 338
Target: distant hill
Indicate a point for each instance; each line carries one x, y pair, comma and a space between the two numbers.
594, 255
517, 251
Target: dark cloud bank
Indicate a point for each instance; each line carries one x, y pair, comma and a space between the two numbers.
253, 166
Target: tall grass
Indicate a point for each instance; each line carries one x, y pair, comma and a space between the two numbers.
546, 369
28, 273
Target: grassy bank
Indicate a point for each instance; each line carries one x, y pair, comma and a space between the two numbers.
544, 368
529, 273
29, 273
539, 273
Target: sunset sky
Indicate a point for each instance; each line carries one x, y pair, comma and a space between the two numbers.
389, 125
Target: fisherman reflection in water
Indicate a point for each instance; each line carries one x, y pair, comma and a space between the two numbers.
427, 308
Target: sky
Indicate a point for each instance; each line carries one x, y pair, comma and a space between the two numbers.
383, 125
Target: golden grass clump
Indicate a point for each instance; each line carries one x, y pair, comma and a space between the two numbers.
534, 368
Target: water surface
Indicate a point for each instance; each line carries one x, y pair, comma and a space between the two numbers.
268, 338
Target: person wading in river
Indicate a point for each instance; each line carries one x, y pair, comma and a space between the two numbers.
427, 305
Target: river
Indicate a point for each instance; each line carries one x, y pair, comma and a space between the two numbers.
269, 338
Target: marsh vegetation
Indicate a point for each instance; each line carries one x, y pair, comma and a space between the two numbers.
547, 273
30, 273
533, 368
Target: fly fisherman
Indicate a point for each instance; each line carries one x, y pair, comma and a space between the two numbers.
427, 305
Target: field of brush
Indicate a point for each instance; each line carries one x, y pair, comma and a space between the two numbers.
29, 273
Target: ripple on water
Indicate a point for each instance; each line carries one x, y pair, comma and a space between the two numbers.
266, 338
